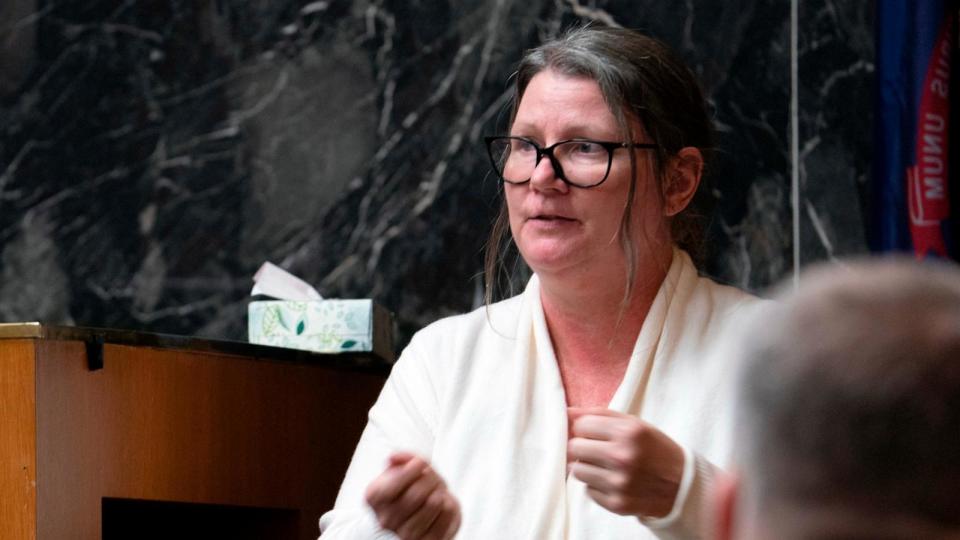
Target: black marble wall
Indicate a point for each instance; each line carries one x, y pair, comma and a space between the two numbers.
154, 153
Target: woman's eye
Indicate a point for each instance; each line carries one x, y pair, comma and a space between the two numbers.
587, 148
520, 145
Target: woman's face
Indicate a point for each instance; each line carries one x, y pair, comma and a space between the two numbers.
561, 229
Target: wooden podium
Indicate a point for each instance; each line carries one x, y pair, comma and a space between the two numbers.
113, 434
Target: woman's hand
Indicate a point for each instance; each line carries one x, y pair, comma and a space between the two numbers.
629, 466
410, 499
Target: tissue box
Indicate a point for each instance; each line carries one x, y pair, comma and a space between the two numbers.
325, 326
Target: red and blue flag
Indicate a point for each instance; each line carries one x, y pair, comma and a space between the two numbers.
911, 207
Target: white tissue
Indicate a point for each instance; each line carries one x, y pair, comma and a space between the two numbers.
274, 281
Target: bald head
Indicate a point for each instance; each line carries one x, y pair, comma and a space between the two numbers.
849, 405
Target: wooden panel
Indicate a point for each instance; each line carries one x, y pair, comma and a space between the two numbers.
18, 469
200, 428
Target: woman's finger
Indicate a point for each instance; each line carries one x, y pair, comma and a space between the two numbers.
454, 526
393, 481
400, 457
418, 523
605, 480
447, 523
614, 502
601, 427
411, 500
576, 412
594, 452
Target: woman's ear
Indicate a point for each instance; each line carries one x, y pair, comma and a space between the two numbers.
682, 179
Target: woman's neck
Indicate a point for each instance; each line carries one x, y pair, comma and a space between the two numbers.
593, 333
594, 315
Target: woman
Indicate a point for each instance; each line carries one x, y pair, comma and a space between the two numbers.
588, 406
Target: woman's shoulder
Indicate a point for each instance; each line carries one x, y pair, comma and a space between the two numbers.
727, 294
730, 301
708, 297
497, 320
449, 352
724, 312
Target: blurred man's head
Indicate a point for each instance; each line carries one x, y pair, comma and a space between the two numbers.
849, 409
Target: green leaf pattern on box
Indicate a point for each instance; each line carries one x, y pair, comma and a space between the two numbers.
323, 326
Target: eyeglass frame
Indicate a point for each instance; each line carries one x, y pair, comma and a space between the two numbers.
610, 146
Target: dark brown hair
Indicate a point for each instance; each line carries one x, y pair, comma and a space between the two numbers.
641, 80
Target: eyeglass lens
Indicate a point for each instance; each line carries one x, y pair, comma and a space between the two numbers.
583, 163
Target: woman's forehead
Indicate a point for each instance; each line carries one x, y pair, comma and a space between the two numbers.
553, 99
573, 103
561, 92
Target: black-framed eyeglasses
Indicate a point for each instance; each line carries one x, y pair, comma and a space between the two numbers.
582, 163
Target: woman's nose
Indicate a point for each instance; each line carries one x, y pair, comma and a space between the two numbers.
545, 176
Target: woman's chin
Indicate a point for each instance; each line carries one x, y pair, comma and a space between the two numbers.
552, 259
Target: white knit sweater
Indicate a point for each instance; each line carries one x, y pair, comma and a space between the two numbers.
480, 397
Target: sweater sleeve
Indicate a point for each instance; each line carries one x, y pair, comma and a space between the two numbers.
403, 418
689, 516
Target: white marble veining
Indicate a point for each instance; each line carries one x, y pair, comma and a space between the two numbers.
152, 157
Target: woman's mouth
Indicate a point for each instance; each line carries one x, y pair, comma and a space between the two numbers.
551, 217
548, 223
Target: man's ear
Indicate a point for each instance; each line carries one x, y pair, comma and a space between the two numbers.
724, 505
682, 179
